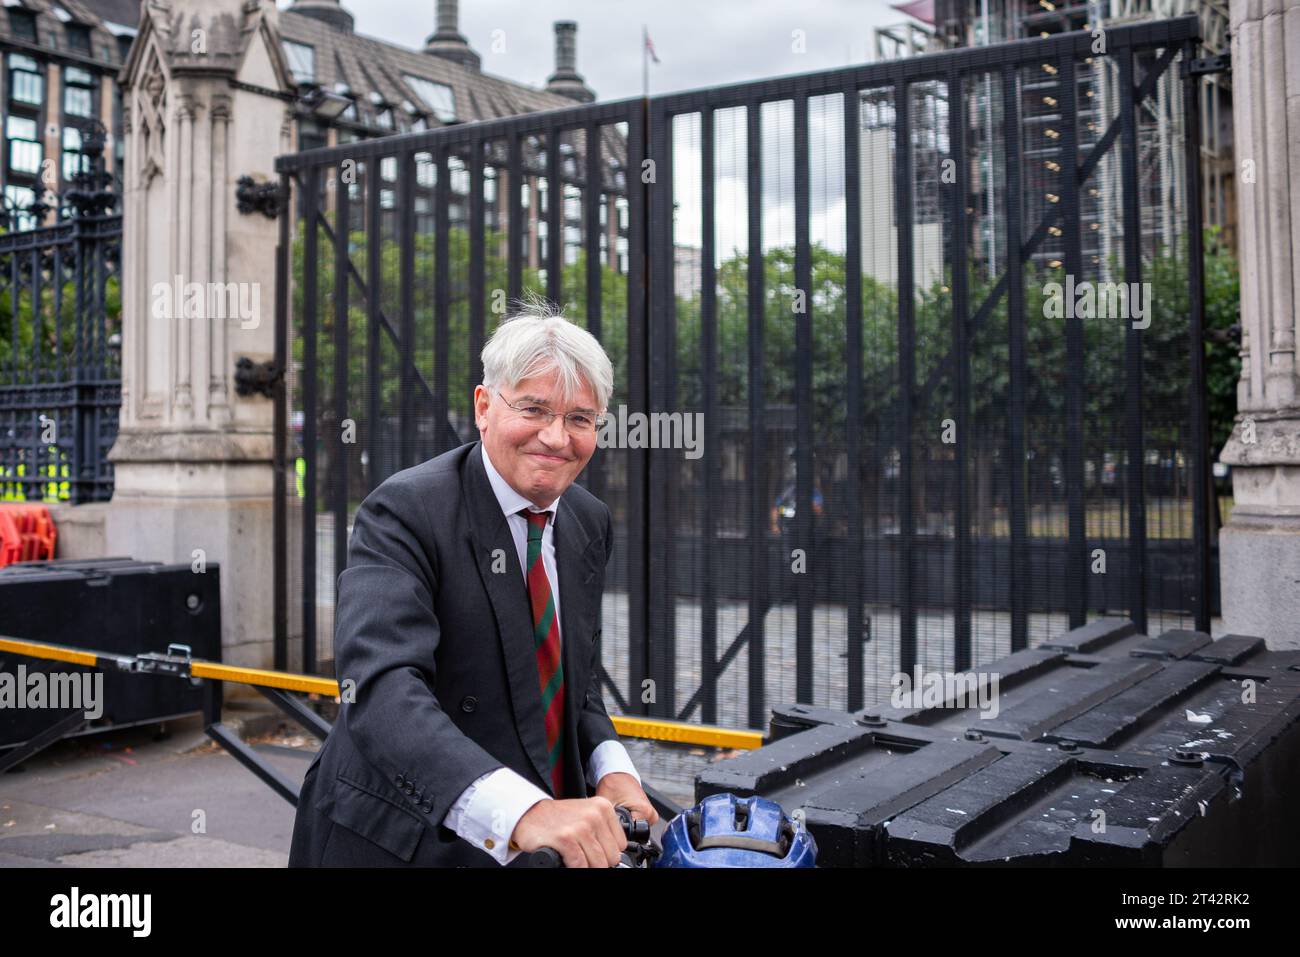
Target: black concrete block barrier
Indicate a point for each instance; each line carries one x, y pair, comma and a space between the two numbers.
1108, 748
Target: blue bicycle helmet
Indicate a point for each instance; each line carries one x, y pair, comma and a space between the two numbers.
726, 831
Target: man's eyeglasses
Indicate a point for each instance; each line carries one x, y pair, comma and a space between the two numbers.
578, 423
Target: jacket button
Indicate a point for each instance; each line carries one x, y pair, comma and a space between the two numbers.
426, 807
410, 788
399, 780
469, 703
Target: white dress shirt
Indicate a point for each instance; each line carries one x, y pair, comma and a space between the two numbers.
487, 811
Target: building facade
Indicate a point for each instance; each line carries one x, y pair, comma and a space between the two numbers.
59, 79
61, 65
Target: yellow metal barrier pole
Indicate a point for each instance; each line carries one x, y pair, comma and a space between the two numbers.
40, 649
679, 732
684, 733
267, 679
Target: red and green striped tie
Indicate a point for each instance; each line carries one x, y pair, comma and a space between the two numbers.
546, 638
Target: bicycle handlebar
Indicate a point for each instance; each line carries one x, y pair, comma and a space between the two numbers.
636, 830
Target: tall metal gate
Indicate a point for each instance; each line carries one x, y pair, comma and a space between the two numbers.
920, 342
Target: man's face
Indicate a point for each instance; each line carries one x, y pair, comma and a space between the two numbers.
538, 461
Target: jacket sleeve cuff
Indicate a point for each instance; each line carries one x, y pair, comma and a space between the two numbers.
609, 756
487, 811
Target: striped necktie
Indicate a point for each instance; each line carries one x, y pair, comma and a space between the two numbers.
546, 639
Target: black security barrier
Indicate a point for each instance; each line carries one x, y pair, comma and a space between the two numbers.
106, 619
1107, 748
114, 606
908, 452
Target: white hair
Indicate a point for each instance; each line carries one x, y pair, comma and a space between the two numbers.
536, 340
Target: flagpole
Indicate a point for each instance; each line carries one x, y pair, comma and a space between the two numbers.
645, 62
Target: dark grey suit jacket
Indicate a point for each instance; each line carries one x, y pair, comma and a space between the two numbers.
440, 648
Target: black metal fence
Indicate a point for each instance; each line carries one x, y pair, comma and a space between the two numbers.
60, 357
920, 443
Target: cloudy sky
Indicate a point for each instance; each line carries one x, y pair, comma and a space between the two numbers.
699, 42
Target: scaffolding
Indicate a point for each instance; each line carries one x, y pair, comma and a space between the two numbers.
979, 22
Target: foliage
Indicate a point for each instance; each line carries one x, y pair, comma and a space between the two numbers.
1105, 342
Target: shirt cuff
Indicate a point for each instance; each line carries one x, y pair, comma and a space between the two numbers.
609, 756
487, 811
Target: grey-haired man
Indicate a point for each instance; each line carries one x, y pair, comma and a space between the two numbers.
477, 730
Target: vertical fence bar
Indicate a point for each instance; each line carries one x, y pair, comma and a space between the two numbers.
1200, 439
310, 198
662, 317
99, 313
758, 554
906, 375
77, 493
1137, 520
667, 524
957, 199
1019, 578
83, 267
406, 308
83, 456
514, 216
34, 265
85, 409
554, 214
591, 234
61, 358
477, 330
638, 399
374, 300
591, 221
342, 262
279, 429
709, 461
853, 389
443, 439
1076, 577
803, 441
14, 312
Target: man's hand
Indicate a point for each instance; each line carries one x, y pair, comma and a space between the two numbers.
585, 831
621, 788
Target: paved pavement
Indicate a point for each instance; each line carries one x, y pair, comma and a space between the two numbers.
123, 798
129, 798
